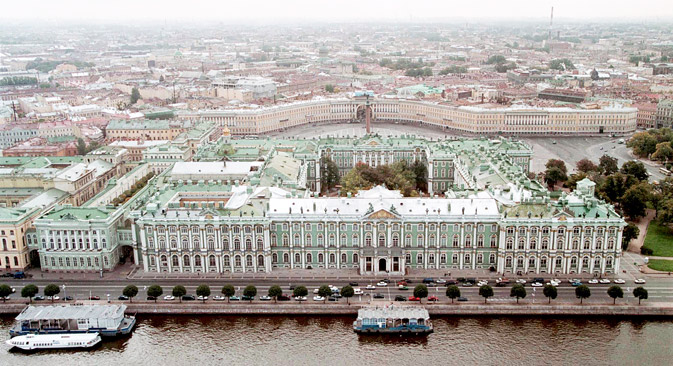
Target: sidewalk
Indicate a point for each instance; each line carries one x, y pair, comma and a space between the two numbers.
643, 224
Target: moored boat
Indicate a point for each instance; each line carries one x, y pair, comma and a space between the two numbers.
393, 319
54, 341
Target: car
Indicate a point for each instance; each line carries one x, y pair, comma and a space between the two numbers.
461, 299
468, 284
337, 295
67, 298
121, 297
576, 283
188, 298
403, 288
440, 281
553, 283
247, 298
538, 279
353, 284
318, 298
619, 281
8, 274
414, 298
379, 296
604, 281
19, 275
52, 298
94, 297
315, 291
300, 298
573, 280
13, 289
402, 283
451, 283
169, 297
433, 298
265, 298
370, 287
592, 281
521, 281
482, 283
335, 290
332, 298
386, 280
358, 291
400, 298
640, 281
151, 298
236, 298
382, 284
38, 298
408, 281
219, 298
281, 298
292, 287
536, 284
428, 280
202, 298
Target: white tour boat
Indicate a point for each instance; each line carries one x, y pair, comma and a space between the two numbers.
54, 341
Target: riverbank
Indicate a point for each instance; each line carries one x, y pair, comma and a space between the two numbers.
648, 309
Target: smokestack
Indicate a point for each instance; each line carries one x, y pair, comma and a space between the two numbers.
551, 22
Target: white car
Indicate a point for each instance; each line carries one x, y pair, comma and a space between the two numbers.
357, 291
554, 283
300, 298
604, 281
316, 291
573, 280
482, 283
169, 298
219, 298
439, 280
536, 284
318, 298
370, 287
58, 298
382, 284
620, 281
521, 281
13, 289
202, 298
593, 282
640, 281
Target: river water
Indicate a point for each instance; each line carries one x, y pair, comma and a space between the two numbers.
253, 340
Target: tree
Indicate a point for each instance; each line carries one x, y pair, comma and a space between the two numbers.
29, 291
275, 291
556, 172
5, 290
638, 292
81, 146
664, 152
179, 291
324, 291
135, 95
635, 169
329, 88
582, 292
496, 59
643, 144
203, 291
329, 173
347, 292
634, 201
453, 292
229, 291
631, 231
594, 75
155, 291
51, 290
300, 291
250, 291
607, 164
130, 291
550, 292
615, 292
421, 291
586, 165
561, 64
486, 291
518, 291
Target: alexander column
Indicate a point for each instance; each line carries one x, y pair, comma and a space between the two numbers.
368, 113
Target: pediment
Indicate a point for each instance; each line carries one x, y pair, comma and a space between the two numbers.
382, 214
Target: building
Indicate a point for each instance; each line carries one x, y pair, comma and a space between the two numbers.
15, 223
664, 114
646, 117
563, 95
144, 130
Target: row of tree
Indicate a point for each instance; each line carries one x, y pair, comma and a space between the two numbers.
18, 80
655, 144
409, 179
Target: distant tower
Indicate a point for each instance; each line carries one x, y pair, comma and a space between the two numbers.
551, 22
368, 112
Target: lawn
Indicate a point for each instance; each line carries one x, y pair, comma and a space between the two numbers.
659, 238
661, 265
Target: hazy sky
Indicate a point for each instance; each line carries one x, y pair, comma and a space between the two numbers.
334, 10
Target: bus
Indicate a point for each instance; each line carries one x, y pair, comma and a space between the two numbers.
665, 172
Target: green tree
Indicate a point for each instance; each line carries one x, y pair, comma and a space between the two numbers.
643, 144
135, 95
421, 291
663, 152
634, 201
300, 291
518, 291
250, 291
352, 182
586, 166
5, 290
29, 291
453, 292
51, 290
203, 291
329, 173
155, 291
631, 231
638, 292
635, 169
347, 292
486, 291
607, 164
556, 172
329, 88
550, 292
275, 291
582, 292
615, 292
324, 291
496, 59
179, 291
81, 146
228, 291
561, 64
130, 291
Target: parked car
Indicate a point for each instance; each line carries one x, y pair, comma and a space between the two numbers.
576, 283
440, 281
593, 281
370, 287
19, 275
188, 298
121, 297
382, 284
358, 291
379, 296
521, 281
428, 280
67, 298
300, 298
219, 298
283, 298
402, 287
151, 298
604, 281
402, 283
315, 291
462, 298
94, 297
337, 295
318, 298
8, 274
408, 281
640, 281
265, 298
451, 282
619, 281
400, 298
482, 283
538, 279
38, 298
247, 298
236, 298
468, 284
52, 298
433, 298
554, 283
353, 283
169, 297
536, 284
414, 298
202, 298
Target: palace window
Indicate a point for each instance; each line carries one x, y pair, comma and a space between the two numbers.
468, 241
494, 241
491, 258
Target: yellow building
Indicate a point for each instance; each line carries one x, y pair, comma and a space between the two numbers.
14, 223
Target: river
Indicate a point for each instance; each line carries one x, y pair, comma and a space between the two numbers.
254, 340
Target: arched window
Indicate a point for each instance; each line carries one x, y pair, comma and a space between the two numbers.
382, 240
248, 244
356, 240
480, 258
468, 241
307, 241
260, 244
407, 241
286, 240
274, 258
480, 241
419, 240
419, 259
344, 258
174, 243
396, 240
321, 259
491, 258
368, 240
227, 262
332, 258
296, 241
286, 258
531, 262
211, 244
442, 258
197, 261
297, 258
197, 243
248, 261
533, 243
494, 241
342, 240
522, 244
431, 259
468, 258
225, 244
260, 261
355, 258
237, 261
321, 240
185, 261
508, 262
509, 244
237, 244
454, 259
309, 258
211, 261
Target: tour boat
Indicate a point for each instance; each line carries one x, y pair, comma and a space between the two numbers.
393, 319
54, 341
106, 320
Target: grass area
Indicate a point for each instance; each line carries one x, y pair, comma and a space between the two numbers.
661, 265
659, 238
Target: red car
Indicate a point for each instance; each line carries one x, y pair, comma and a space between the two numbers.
402, 283
433, 298
414, 298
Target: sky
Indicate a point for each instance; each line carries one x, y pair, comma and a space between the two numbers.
310, 11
